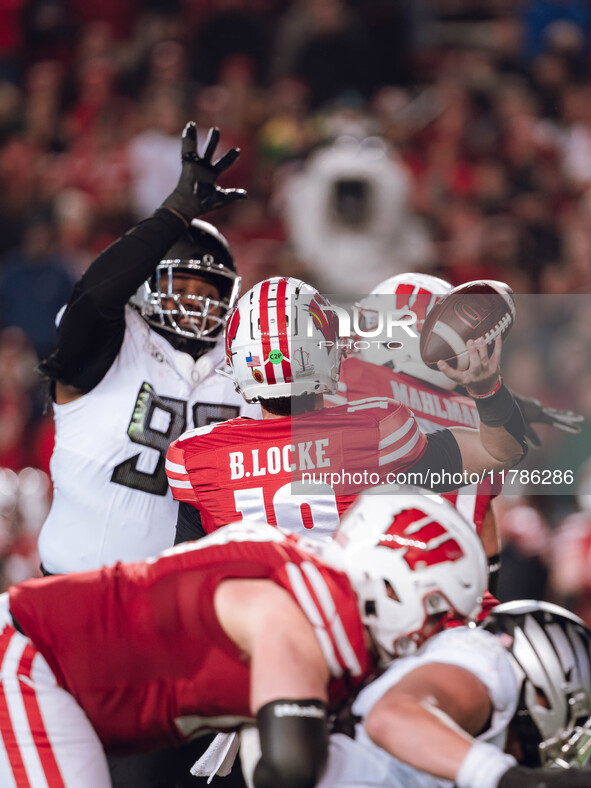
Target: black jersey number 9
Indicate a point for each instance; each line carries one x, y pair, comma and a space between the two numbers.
170, 416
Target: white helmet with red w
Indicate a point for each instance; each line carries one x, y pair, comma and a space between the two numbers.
282, 341
405, 295
412, 559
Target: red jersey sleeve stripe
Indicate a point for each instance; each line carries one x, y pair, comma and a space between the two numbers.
310, 610
341, 640
179, 480
408, 425
8, 735
42, 741
175, 468
410, 450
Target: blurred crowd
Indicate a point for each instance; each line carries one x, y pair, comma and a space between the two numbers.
377, 136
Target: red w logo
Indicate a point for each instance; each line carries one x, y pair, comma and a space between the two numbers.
428, 544
324, 317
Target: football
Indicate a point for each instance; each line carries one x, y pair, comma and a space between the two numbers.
483, 308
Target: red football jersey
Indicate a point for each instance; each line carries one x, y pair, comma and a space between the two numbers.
140, 648
253, 469
434, 409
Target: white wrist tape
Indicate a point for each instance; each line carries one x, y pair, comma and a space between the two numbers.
483, 766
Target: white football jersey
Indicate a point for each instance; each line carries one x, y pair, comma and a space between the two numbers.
111, 496
359, 763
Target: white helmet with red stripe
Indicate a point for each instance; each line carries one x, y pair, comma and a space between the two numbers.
412, 559
411, 295
282, 341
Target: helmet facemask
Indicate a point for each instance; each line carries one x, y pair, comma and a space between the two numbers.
550, 650
195, 315
192, 291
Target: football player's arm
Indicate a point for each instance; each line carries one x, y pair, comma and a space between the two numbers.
429, 717
429, 720
536, 413
91, 329
288, 679
188, 524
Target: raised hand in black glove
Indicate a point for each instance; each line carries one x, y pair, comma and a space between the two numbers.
534, 412
196, 192
520, 777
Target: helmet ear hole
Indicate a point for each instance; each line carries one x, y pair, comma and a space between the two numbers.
542, 698
390, 593
370, 607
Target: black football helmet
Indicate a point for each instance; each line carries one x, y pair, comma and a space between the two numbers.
191, 323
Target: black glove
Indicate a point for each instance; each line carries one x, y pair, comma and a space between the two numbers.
534, 411
520, 777
196, 192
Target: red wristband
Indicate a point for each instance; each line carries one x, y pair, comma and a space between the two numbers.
488, 394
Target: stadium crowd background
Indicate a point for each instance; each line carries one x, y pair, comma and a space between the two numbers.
377, 136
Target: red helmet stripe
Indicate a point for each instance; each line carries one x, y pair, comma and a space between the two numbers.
282, 326
265, 338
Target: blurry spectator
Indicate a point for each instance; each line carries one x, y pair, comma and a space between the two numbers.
233, 105
286, 132
74, 219
95, 40
96, 102
525, 539
556, 23
498, 254
575, 136
337, 55
228, 28
166, 70
11, 39
571, 564
34, 285
24, 501
550, 76
43, 96
17, 380
120, 16
292, 30
154, 152
49, 30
